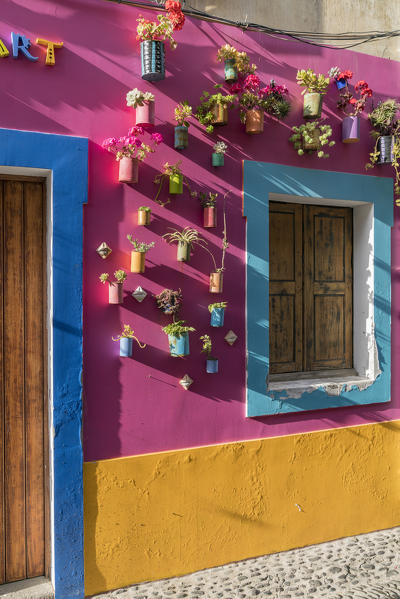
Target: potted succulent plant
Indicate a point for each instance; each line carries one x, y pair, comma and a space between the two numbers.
144, 215
125, 339
138, 254
178, 338
185, 239
216, 276
340, 77
211, 362
235, 63
129, 150
310, 137
386, 123
315, 88
114, 287
352, 106
151, 35
183, 112
254, 101
217, 312
176, 179
169, 301
213, 109
208, 202
217, 157
144, 105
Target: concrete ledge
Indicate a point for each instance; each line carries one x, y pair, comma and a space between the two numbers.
33, 588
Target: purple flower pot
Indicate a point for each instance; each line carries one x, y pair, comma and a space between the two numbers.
351, 129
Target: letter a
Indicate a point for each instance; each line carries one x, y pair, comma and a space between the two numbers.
3, 50
50, 56
20, 42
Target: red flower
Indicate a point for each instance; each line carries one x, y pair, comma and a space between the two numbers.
177, 20
252, 82
173, 5
345, 75
352, 101
236, 88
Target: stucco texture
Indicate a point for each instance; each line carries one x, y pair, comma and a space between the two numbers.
155, 516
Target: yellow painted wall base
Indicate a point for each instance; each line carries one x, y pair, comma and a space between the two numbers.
160, 515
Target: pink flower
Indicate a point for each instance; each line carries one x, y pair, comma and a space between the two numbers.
252, 82
157, 137
236, 88
109, 142
136, 130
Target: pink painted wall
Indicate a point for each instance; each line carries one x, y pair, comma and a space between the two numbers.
136, 406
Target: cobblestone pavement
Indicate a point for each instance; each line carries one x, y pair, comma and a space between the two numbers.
362, 567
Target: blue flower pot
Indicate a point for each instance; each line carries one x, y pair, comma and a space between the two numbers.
212, 366
152, 54
125, 347
340, 83
231, 72
181, 138
217, 159
179, 346
217, 317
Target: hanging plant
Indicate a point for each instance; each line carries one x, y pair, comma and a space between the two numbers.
340, 77
178, 338
213, 109
216, 276
211, 362
235, 63
311, 137
144, 105
114, 287
183, 112
144, 215
352, 106
185, 241
217, 157
129, 150
152, 34
125, 339
384, 119
217, 311
172, 173
315, 88
169, 301
208, 202
138, 254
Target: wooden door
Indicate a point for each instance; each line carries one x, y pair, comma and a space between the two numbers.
311, 281
23, 424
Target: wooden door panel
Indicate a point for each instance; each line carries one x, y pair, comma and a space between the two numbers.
285, 301
329, 250
329, 309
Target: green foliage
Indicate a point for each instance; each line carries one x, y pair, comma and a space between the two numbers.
307, 133
207, 345
130, 334
312, 82
383, 118
204, 112
187, 235
169, 301
217, 305
140, 246
145, 209
177, 328
120, 277
207, 199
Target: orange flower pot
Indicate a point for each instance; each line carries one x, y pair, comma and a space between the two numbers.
216, 282
254, 121
138, 261
220, 112
115, 293
209, 217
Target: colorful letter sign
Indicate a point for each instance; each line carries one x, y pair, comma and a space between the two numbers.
21, 44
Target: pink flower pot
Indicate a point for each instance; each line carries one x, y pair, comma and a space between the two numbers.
351, 130
145, 115
128, 170
115, 293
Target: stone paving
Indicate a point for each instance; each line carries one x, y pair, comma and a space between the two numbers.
362, 567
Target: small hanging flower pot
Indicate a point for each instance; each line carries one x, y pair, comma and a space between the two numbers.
183, 112
126, 342
315, 87
351, 129
128, 170
181, 138
385, 148
152, 55
183, 251
313, 142
230, 69
211, 363
217, 312
312, 105
213, 109
144, 105
178, 338
176, 184
340, 83
217, 157
115, 288
254, 121
208, 202
144, 216
138, 254
312, 137
216, 282
220, 114
184, 240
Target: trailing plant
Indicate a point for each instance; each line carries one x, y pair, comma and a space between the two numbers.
225, 244
128, 333
187, 235
178, 328
169, 301
241, 59
385, 121
183, 112
312, 82
120, 277
207, 345
131, 146
211, 307
169, 170
220, 147
140, 246
305, 134
204, 112
270, 99
162, 29
137, 98
351, 105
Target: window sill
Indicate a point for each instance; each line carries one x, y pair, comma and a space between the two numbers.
334, 385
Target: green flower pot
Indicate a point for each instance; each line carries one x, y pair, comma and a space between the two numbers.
312, 105
217, 159
176, 184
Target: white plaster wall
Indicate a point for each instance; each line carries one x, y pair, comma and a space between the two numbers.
331, 16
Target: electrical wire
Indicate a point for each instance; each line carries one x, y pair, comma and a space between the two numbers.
307, 37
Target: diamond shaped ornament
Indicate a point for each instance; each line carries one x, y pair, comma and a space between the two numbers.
104, 250
139, 294
230, 337
185, 382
